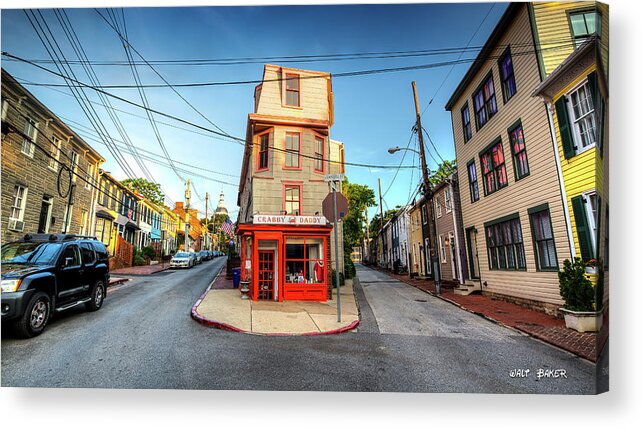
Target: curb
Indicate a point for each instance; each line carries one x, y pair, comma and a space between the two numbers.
223, 326
117, 281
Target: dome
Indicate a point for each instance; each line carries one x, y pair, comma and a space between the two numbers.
220, 208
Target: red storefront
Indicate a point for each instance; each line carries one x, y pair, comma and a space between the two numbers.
285, 257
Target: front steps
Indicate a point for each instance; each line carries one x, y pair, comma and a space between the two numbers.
467, 288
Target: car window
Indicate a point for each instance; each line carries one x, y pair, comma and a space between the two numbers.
40, 253
87, 252
101, 250
71, 252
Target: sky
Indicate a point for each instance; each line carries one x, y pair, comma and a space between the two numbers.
372, 112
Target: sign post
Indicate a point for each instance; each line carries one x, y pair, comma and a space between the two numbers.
334, 179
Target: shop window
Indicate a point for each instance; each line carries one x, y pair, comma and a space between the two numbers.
304, 261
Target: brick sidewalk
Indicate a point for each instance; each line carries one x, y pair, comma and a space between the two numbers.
537, 324
141, 270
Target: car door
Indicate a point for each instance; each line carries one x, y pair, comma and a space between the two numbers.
70, 274
89, 274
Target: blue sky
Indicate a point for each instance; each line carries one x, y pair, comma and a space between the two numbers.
372, 113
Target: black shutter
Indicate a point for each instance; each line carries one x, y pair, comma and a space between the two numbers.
583, 229
599, 220
592, 83
565, 128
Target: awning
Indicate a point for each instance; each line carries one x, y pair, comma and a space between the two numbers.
131, 225
103, 213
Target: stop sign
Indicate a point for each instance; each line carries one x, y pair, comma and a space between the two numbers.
328, 206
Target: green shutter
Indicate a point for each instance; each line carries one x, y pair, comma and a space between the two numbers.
598, 105
565, 128
583, 229
599, 220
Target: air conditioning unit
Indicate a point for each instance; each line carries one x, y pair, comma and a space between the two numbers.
16, 225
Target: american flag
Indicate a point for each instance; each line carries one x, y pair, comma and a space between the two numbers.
228, 227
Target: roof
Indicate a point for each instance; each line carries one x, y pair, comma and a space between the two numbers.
480, 60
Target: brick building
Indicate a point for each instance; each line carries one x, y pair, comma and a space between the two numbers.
42, 159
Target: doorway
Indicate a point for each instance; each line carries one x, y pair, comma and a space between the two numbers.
266, 275
45, 214
473, 257
453, 255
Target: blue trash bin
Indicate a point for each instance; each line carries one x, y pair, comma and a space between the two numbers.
236, 277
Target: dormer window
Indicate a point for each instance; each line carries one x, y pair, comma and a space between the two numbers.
292, 89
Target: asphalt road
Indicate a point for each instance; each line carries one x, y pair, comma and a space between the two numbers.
144, 337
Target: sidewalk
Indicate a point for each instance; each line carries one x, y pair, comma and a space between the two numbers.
135, 271
534, 323
221, 306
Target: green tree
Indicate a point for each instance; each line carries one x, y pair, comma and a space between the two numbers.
151, 191
375, 223
359, 197
445, 169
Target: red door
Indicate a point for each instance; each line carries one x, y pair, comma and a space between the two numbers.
266, 275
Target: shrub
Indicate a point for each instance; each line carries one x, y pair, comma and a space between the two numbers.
148, 252
349, 267
334, 279
575, 288
138, 259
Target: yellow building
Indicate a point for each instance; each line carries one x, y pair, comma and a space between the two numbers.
576, 96
170, 225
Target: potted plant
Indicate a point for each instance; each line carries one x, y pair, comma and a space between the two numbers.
582, 300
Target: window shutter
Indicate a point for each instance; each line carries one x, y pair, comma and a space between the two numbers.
592, 83
599, 221
565, 128
582, 226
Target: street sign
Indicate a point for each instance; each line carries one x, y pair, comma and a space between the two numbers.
333, 177
328, 208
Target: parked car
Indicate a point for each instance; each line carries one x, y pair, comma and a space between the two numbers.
205, 255
182, 259
199, 258
43, 274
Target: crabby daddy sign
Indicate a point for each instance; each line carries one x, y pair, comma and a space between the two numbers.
291, 220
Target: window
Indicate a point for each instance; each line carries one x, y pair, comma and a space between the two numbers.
484, 102
292, 150
442, 248
448, 200
518, 149
592, 206
54, 151
473, 185
342, 159
424, 214
507, 75
465, 121
264, 144
90, 176
103, 230
87, 253
292, 82
304, 262
584, 24
30, 131
543, 242
319, 144
582, 115
83, 223
438, 206
73, 164
5, 109
292, 199
17, 211
505, 245
66, 218
72, 253
493, 168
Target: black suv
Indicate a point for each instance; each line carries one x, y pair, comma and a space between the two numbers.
42, 273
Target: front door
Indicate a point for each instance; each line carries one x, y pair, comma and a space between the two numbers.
45, 215
453, 255
266, 275
471, 238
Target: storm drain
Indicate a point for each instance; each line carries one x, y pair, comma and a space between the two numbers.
421, 300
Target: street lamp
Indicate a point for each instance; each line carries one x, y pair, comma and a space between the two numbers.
393, 150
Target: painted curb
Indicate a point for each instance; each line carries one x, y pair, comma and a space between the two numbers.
223, 326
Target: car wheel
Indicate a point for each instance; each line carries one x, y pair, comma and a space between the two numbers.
97, 296
35, 318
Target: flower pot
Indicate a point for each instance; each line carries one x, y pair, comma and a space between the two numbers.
582, 321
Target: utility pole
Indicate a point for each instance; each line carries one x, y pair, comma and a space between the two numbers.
427, 192
188, 194
383, 238
207, 231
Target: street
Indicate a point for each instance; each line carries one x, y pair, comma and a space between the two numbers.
144, 337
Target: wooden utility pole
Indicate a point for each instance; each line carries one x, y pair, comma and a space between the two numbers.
380, 205
428, 193
188, 194
207, 231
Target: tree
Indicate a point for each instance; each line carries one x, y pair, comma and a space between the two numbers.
151, 191
445, 169
375, 223
359, 197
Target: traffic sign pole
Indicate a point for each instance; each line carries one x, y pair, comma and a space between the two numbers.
334, 185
